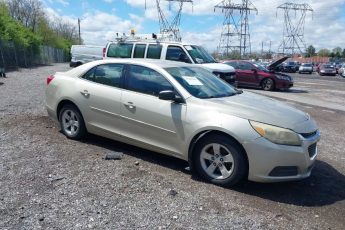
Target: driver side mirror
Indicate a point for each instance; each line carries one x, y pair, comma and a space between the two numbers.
169, 95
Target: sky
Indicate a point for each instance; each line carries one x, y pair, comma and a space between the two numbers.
200, 24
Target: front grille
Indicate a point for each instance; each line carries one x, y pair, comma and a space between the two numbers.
312, 150
229, 77
308, 135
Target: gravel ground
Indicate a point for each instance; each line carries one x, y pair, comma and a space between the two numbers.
48, 181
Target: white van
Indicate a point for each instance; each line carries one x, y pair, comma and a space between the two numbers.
81, 54
170, 50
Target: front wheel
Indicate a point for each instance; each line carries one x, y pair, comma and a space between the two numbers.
72, 123
220, 160
267, 84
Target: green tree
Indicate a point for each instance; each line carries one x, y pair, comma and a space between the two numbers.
310, 51
343, 53
324, 53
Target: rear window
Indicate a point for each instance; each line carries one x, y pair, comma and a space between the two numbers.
154, 51
120, 50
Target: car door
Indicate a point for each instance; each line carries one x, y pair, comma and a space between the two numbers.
99, 98
245, 74
158, 124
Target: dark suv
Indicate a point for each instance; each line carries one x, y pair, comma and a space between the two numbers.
249, 74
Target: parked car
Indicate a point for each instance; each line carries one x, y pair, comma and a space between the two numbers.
172, 51
183, 110
254, 75
341, 71
338, 67
327, 69
81, 54
306, 68
290, 67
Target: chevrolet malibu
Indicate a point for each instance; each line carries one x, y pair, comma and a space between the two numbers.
185, 111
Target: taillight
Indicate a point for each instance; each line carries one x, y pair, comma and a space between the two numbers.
104, 49
49, 79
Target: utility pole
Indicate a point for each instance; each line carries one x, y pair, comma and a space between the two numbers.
293, 32
235, 34
262, 49
79, 31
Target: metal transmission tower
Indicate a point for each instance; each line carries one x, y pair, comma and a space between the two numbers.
235, 34
293, 33
172, 28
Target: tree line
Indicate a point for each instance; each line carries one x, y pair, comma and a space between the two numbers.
25, 23
337, 52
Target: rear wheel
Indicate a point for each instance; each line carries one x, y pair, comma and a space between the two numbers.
72, 123
220, 160
267, 84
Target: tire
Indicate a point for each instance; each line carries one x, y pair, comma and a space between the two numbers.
71, 122
220, 160
267, 84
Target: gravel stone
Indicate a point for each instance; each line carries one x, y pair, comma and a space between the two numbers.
117, 195
114, 156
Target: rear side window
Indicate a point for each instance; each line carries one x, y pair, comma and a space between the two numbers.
245, 66
175, 53
120, 50
154, 51
139, 50
144, 80
233, 64
108, 74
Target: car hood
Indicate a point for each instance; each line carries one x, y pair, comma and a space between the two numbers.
274, 64
263, 109
218, 67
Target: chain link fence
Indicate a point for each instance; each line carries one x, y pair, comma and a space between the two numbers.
13, 56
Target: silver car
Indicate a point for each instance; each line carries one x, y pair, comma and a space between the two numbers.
185, 111
306, 68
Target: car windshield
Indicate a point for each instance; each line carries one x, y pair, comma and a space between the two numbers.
261, 67
201, 83
307, 65
328, 66
199, 54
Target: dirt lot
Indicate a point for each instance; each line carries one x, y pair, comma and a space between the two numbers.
50, 182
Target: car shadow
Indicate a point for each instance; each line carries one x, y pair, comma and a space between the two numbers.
324, 187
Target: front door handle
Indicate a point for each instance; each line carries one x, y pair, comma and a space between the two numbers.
85, 93
129, 105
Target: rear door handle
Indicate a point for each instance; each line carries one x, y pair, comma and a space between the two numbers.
85, 93
129, 105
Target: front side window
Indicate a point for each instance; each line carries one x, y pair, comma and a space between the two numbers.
139, 51
109, 74
120, 50
145, 80
154, 51
200, 82
175, 53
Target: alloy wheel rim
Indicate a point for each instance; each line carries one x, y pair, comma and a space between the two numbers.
217, 161
267, 84
70, 122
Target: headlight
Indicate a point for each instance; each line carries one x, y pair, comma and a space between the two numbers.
322, 71
276, 134
286, 78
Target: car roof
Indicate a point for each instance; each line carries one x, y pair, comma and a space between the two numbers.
150, 63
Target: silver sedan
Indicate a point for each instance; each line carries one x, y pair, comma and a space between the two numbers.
184, 111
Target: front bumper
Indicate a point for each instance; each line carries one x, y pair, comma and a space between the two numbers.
269, 162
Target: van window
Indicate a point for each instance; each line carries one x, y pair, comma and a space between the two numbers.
120, 50
154, 51
139, 51
175, 53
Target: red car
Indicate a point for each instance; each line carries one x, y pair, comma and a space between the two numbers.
249, 74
